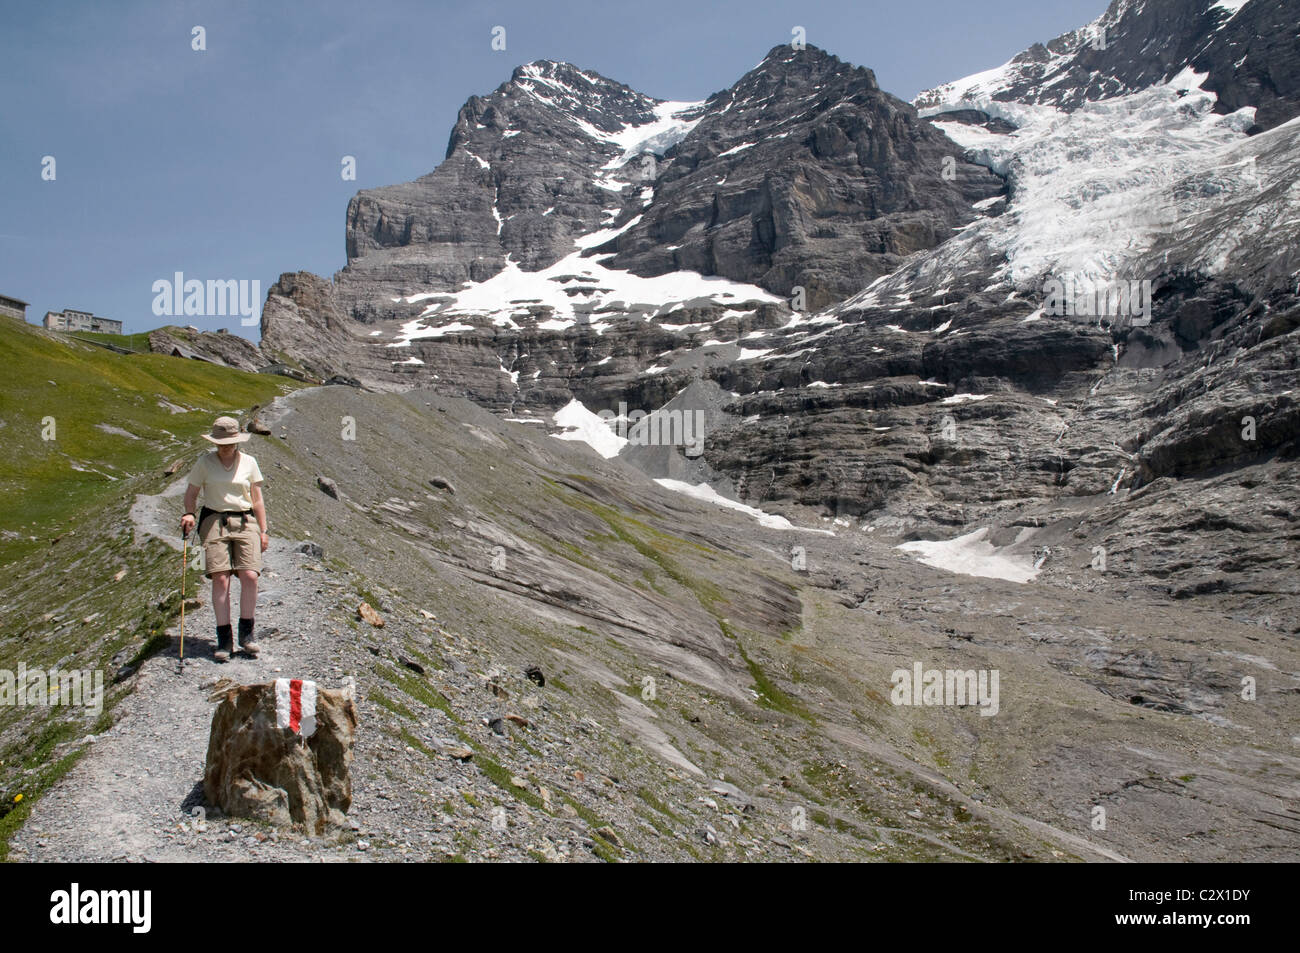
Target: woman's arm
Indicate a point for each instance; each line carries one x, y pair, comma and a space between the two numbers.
259, 510
191, 498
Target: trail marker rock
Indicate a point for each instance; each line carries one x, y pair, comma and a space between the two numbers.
281, 752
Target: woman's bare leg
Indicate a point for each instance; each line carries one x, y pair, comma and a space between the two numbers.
247, 593
221, 597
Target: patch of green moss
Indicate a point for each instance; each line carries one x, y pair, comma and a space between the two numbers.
501, 778
769, 696
927, 741
646, 795
417, 689
383, 701
650, 543
416, 743
604, 851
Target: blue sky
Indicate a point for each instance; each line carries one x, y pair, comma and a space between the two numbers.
224, 163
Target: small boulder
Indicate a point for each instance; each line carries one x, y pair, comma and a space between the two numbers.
281, 775
367, 612
733, 794
442, 484
309, 548
327, 485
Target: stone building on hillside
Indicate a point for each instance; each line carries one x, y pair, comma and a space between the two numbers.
70, 319
13, 307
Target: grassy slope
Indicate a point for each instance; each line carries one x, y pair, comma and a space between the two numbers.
133, 342
64, 526
83, 388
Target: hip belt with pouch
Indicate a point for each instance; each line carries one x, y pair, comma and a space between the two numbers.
225, 516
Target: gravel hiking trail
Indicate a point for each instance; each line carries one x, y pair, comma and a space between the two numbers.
134, 795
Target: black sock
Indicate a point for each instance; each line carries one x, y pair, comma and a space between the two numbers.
245, 630
225, 636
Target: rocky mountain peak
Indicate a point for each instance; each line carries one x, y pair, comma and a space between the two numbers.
748, 185
543, 87
785, 66
804, 174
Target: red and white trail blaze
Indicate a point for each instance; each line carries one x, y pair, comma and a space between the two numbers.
295, 705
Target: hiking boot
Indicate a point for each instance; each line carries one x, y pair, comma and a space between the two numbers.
246, 643
225, 643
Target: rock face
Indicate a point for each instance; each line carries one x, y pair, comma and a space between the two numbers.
256, 769
803, 174
229, 349
302, 325
518, 180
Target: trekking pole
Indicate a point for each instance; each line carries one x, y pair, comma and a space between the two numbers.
185, 565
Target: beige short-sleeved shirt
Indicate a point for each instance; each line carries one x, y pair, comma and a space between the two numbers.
226, 489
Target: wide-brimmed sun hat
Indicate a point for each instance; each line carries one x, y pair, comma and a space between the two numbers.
226, 430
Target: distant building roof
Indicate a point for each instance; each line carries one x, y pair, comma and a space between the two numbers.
15, 300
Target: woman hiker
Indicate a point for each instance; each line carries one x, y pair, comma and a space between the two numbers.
232, 528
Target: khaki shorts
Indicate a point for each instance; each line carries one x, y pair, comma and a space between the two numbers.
227, 547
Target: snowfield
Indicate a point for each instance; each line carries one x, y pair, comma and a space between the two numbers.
573, 289
970, 555
708, 494
588, 427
